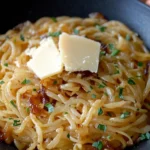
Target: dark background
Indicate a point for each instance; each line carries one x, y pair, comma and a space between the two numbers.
131, 12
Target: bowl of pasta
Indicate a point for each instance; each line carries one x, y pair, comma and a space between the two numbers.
75, 75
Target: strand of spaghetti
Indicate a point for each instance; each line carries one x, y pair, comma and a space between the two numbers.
56, 140
62, 98
39, 132
21, 91
81, 82
92, 111
147, 88
77, 146
116, 104
71, 122
53, 95
8, 105
24, 123
136, 123
112, 129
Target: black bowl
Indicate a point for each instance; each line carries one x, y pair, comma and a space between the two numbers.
133, 13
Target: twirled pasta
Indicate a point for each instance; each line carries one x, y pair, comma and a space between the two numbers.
111, 106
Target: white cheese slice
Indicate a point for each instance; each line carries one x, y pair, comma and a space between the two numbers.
79, 53
31, 51
46, 60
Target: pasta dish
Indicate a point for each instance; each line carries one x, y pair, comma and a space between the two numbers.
79, 109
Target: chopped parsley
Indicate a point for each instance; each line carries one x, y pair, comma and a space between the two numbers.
28, 109
98, 145
2, 82
140, 64
22, 37
16, 123
114, 50
65, 113
55, 34
25, 81
106, 93
117, 72
101, 85
6, 64
102, 53
91, 87
54, 19
131, 82
75, 31
49, 107
124, 115
93, 96
13, 103
55, 82
128, 37
121, 93
34, 89
145, 136
102, 127
101, 28
111, 46
68, 136
100, 111
108, 137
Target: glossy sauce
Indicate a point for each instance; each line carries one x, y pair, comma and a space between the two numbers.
38, 101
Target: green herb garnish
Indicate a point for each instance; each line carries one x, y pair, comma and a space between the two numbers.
65, 113
98, 145
117, 72
76, 31
108, 137
121, 93
101, 28
100, 111
93, 96
54, 19
49, 107
28, 109
68, 136
16, 123
25, 81
102, 53
102, 85
115, 52
34, 89
102, 127
145, 136
140, 64
55, 82
13, 103
124, 115
6, 64
128, 37
55, 34
22, 37
2, 82
131, 82
111, 46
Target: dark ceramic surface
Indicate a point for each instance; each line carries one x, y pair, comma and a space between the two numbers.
131, 12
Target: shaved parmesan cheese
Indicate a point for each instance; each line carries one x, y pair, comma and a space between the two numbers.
79, 53
46, 59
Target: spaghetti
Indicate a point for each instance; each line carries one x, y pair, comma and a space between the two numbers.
78, 110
